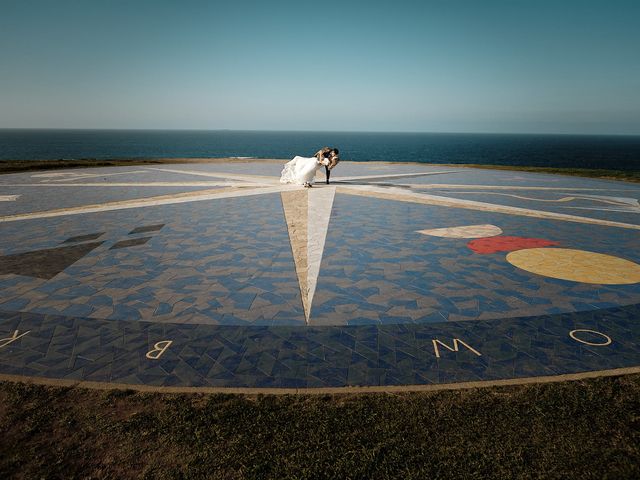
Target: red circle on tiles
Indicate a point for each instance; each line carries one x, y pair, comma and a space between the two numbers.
507, 244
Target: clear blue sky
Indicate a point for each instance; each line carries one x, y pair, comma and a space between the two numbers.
558, 66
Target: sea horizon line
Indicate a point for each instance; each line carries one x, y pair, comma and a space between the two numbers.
372, 132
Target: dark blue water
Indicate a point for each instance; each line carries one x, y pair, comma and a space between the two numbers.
614, 152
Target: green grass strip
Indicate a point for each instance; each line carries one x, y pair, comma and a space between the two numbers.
586, 429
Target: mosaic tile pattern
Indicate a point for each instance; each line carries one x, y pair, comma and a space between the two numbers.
612, 207
56, 346
43, 197
234, 280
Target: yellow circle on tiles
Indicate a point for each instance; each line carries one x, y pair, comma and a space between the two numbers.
576, 265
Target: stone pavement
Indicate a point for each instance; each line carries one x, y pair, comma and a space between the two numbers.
216, 275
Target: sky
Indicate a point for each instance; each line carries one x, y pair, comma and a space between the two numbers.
510, 66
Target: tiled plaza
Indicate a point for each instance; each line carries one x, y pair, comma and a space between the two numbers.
216, 275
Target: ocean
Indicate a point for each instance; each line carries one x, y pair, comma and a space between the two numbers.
580, 151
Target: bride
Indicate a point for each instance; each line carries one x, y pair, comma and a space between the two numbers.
302, 170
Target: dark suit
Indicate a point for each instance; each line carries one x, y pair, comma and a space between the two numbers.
326, 153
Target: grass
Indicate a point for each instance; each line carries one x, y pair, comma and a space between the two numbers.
16, 166
583, 429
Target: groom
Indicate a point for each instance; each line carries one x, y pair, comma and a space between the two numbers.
330, 154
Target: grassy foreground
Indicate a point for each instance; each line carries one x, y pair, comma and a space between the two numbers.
583, 429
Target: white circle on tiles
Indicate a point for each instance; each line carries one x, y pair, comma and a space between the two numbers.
607, 339
465, 231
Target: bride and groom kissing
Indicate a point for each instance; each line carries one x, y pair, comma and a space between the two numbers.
302, 170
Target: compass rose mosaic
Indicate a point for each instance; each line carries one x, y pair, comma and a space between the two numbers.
217, 275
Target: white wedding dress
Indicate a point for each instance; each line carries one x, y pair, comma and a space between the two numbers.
301, 170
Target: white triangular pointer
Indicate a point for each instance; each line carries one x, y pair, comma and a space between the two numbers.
319, 214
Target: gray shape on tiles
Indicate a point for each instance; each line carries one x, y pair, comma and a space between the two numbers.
148, 228
84, 238
130, 243
46, 263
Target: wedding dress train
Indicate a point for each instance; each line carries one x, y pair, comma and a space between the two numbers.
300, 170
